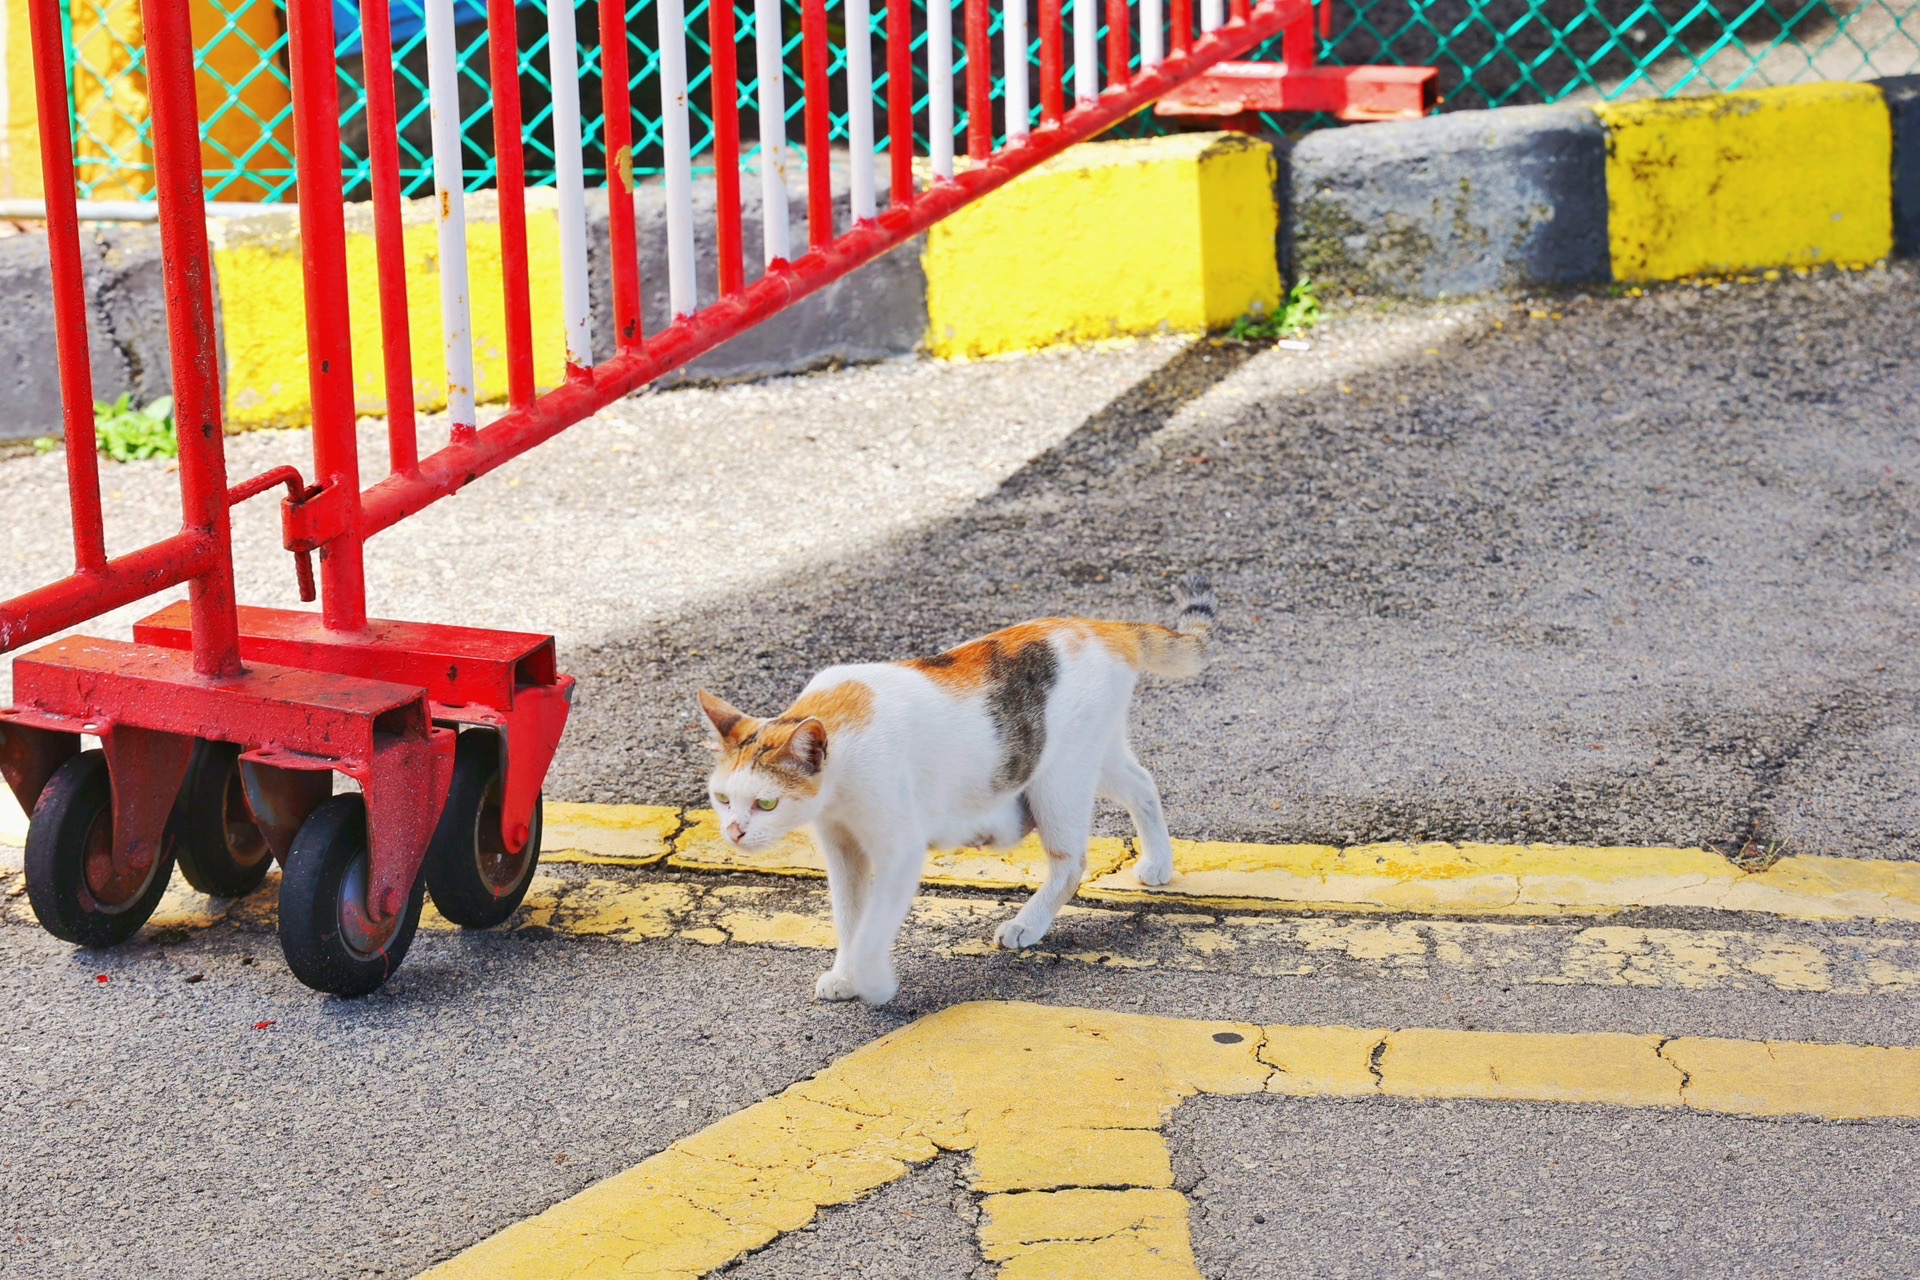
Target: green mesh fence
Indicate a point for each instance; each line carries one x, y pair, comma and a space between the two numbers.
1488, 52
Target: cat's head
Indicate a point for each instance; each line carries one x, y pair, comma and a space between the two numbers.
766, 773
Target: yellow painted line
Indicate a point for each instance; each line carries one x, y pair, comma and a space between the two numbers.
622, 835
1780, 177
1062, 1110
702, 848
1108, 239
1519, 880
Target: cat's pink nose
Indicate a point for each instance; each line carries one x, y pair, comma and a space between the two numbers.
736, 832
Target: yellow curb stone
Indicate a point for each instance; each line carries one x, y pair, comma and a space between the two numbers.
629, 835
701, 847
1832, 889
1624, 1070
1775, 1078
1787, 176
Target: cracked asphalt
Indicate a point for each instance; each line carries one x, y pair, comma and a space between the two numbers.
1583, 569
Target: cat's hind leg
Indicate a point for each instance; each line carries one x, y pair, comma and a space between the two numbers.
1062, 804
1124, 780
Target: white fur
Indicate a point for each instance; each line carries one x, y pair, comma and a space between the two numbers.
920, 774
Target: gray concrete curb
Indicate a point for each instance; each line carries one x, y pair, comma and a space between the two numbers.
126, 325
1454, 204
1903, 104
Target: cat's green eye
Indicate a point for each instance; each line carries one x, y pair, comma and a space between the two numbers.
722, 799
766, 806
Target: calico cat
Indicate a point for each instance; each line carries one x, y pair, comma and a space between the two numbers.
979, 745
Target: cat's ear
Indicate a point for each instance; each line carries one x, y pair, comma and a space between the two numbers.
806, 748
730, 724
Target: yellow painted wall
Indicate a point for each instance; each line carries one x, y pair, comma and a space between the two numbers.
20, 144
1111, 238
264, 325
1791, 176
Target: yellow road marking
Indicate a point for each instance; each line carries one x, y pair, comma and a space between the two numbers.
797, 916
1062, 1110
1411, 879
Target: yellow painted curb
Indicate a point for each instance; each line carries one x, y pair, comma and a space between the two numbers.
1789, 176
257, 260
702, 848
1031, 1090
1108, 239
1518, 880
622, 835
20, 177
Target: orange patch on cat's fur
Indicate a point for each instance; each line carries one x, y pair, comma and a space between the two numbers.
847, 705
967, 667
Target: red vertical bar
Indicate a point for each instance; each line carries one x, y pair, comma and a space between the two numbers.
1241, 10
69, 284
186, 268
1297, 49
323, 245
900, 98
1119, 50
979, 80
1324, 10
813, 49
503, 69
1180, 21
615, 93
390, 254
726, 146
1052, 97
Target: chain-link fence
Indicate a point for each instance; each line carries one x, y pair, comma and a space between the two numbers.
1489, 53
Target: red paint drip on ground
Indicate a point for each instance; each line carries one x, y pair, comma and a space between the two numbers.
262, 1026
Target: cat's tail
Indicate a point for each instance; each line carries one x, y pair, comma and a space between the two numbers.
1181, 650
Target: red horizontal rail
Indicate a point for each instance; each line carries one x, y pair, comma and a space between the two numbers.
120, 581
459, 464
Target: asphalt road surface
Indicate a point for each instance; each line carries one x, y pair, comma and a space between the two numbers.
1582, 569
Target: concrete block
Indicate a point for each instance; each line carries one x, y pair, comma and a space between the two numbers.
1453, 204
1903, 106
126, 325
877, 312
1784, 177
1110, 238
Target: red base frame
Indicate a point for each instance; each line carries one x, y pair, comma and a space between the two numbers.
1354, 94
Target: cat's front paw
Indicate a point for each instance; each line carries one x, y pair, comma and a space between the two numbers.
834, 985
1153, 871
1014, 936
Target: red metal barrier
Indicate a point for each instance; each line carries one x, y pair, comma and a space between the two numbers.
219, 720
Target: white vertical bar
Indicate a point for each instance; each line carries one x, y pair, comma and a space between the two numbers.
860, 106
682, 293
1014, 20
768, 38
940, 86
1086, 50
449, 184
1153, 48
1213, 15
563, 64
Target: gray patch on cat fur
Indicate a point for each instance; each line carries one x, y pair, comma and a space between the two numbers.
1017, 702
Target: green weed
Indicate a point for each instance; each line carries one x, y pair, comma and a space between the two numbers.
1299, 313
127, 434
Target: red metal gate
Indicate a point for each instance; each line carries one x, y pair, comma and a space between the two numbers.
221, 726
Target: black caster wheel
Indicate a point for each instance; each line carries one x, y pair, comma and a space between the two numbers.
76, 891
220, 850
330, 940
474, 881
